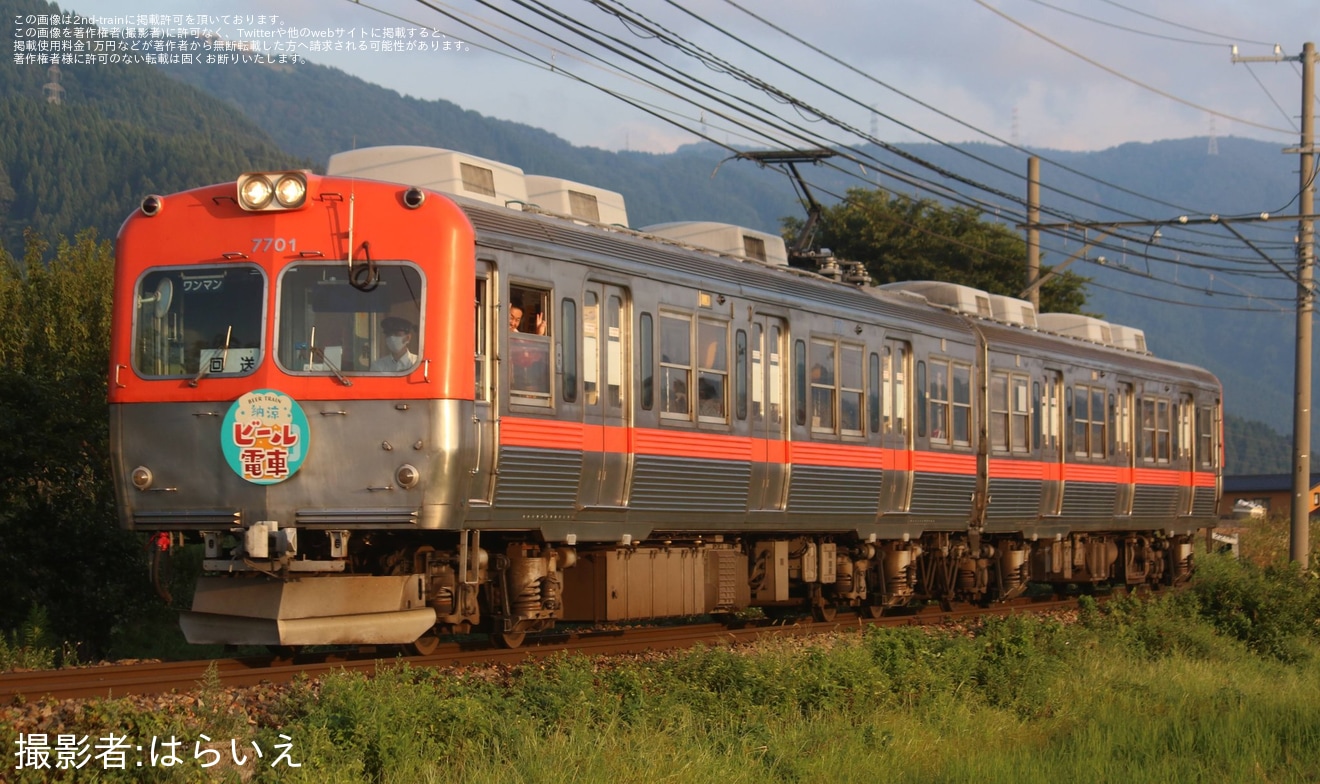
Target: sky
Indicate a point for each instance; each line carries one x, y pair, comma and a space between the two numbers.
1055, 74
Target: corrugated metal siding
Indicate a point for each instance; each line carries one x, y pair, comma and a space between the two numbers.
537, 478
941, 494
1087, 499
832, 490
1148, 501
677, 484
1013, 499
1203, 502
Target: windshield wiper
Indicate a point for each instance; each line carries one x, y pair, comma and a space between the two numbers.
224, 359
312, 356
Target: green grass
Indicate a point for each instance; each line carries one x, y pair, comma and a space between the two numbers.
1216, 683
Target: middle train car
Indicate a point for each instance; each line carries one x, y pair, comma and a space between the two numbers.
657, 430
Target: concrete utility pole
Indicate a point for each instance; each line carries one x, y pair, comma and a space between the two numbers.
1033, 232
1300, 546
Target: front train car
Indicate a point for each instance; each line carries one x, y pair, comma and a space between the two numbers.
292, 375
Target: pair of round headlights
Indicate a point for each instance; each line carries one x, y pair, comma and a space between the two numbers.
275, 191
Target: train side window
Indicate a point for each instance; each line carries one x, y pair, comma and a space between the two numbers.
740, 374
614, 360
1206, 454
775, 392
568, 385
961, 409
758, 373
199, 321
874, 391
1019, 415
1010, 413
590, 348
937, 393
1088, 421
1163, 431
529, 348
646, 359
800, 382
851, 390
823, 390
1099, 439
894, 378
713, 371
1036, 415
1123, 421
481, 333
999, 412
675, 365
921, 399
1148, 429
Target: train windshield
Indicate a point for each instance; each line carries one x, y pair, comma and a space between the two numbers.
199, 321
327, 325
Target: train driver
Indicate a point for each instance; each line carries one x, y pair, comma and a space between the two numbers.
398, 354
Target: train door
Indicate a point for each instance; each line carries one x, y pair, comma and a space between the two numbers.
769, 477
1124, 452
605, 386
483, 418
1183, 453
1051, 442
896, 372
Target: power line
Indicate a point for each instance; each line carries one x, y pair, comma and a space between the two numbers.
1121, 75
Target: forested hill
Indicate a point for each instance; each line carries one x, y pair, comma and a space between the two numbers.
314, 111
118, 134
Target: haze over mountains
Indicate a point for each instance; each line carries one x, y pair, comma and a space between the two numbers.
121, 133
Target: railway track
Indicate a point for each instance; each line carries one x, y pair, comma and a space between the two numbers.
121, 680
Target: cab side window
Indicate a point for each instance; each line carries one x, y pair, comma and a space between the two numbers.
529, 345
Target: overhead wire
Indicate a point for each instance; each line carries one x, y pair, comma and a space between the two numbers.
1183, 26
925, 105
1125, 28
608, 91
656, 33
1119, 74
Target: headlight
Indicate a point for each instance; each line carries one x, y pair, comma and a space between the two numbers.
263, 191
254, 192
142, 477
290, 191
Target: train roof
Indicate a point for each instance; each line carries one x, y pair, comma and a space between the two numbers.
749, 261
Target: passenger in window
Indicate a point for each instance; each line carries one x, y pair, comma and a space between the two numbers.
711, 399
517, 317
398, 346
678, 399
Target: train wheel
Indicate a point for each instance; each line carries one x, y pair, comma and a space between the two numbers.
824, 612
508, 639
425, 645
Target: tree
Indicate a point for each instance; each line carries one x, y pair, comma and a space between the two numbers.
60, 546
900, 238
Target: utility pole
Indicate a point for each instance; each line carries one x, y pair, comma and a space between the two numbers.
1300, 545
1033, 232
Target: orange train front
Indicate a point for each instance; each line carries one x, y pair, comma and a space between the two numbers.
428, 392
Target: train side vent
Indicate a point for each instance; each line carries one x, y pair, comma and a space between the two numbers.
435, 168
1077, 326
725, 238
1130, 338
963, 299
585, 202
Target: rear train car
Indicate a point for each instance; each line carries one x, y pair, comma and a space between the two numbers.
427, 393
